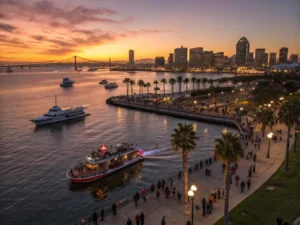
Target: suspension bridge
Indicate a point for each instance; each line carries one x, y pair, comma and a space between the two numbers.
76, 61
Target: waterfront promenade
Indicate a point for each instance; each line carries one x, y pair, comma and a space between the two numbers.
173, 209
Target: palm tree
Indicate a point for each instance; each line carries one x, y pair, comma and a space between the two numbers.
289, 113
229, 150
186, 81
141, 85
235, 82
198, 83
172, 81
132, 82
156, 83
179, 81
184, 138
265, 117
211, 82
164, 81
148, 85
219, 82
127, 81
204, 82
194, 80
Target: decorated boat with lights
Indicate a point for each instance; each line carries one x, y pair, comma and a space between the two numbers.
105, 161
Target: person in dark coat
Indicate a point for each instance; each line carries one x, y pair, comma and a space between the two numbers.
137, 219
203, 206
163, 221
242, 186
95, 216
279, 220
102, 214
114, 209
129, 221
142, 218
157, 193
248, 184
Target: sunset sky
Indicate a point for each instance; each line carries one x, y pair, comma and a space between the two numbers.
39, 30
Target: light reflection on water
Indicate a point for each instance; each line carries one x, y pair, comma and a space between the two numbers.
34, 160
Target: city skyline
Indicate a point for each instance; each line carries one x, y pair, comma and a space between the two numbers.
45, 30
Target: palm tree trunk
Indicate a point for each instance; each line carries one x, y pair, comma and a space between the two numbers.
286, 160
164, 90
193, 85
226, 193
186, 181
263, 130
172, 90
131, 91
186, 87
180, 89
127, 89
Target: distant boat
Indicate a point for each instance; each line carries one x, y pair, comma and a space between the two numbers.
103, 82
56, 114
67, 82
111, 85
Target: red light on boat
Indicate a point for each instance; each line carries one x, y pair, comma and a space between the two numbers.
103, 148
141, 152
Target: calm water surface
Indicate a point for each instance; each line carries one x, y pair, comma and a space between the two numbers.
34, 188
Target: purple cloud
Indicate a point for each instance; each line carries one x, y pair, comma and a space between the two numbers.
7, 27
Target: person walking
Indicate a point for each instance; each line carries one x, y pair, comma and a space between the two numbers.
129, 221
250, 172
173, 192
179, 195
102, 214
157, 194
203, 206
163, 221
279, 220
114, 209
137, 219
254, 168
242, 186
248, 184
142, 218
95, 216
237, 180
219, 193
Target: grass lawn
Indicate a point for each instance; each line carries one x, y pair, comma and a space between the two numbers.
263, 206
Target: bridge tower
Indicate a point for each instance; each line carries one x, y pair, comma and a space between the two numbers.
109, 64
75, 62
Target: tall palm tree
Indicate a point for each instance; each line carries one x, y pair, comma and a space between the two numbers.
265, 117
211, 82
127, 81
172, 81
156, 83
141, 85
148, 85
229, 150
179, 81
132, 82
184, 139
186, 81
204, 82
289, 113
194, 80
164, 81
198, 83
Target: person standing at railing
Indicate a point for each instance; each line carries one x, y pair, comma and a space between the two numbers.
114, 209
95, 218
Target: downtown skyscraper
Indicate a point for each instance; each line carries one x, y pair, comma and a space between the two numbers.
242, 51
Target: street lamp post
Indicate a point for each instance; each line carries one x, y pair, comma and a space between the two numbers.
222, 96
191, 194
270, 135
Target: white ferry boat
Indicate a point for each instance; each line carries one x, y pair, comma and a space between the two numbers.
67, 82
111, 85
104, 162
103, 82
57, 114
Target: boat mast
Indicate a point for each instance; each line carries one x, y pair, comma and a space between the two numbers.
55, 101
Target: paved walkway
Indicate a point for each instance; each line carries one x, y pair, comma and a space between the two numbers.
154, 209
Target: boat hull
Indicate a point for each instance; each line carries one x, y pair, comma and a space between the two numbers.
56, 120
107, 173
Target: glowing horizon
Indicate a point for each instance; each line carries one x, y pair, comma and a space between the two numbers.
42, 30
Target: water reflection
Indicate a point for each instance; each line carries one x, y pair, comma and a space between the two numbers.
58, 127
100, 189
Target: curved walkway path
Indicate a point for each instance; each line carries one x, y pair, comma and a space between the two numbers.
154, 209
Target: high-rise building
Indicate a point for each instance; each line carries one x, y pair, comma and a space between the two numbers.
195, 57
242, 51
293, 58
131, 57
283, 55
273, 59
251, 58
220, 61
181, 57
259, 56
266, 59
159, 62
170, 60
206, 59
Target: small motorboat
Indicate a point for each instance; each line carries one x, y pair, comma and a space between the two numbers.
111, 85
67, 82
103, 82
